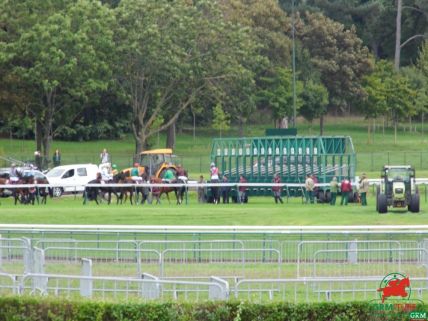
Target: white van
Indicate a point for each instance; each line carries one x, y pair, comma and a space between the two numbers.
71, 178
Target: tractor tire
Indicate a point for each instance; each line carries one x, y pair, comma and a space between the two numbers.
377, 190
382, 204
321, 197
328, 197
414, 203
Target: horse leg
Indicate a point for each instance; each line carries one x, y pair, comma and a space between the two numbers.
131, 193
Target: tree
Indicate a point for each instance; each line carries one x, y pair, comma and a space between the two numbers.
221, 120
276, 93
62, 59
338, 55
314, 101
169, 53
374, 104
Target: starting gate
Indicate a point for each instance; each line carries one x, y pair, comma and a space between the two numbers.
293, 157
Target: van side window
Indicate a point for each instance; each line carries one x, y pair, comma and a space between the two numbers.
82, 172
69, 173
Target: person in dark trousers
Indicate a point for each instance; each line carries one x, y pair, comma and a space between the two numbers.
38, 160
277, 189
309, 186
242, 190
334, 186
56, 158
345, 189
364, 189
225, 190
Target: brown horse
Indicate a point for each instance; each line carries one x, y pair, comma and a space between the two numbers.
158, 191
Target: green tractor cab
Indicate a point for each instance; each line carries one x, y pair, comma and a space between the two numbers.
397, 189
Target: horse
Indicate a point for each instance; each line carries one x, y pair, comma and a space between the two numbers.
91, 193
122, 178
43, 192
158, 191
25, 195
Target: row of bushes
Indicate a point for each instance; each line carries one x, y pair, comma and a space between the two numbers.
36, 309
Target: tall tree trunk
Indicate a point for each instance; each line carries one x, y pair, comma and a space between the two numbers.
374, 130
194, 125
398, 36
38, 134
375, 48
368, 132
395, 131
170, 136
321, 125
240, 128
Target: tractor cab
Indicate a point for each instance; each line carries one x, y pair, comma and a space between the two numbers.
153, 162
156, 161
398, 189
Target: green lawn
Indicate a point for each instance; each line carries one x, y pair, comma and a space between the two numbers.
260, 211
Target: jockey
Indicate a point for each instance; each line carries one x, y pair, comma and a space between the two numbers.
214, 172
14, 173
169, 175
114, 170
181, 173
134, 172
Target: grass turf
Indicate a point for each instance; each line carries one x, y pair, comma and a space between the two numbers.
259, 211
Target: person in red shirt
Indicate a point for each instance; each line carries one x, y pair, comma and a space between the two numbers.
277, 189
345, 189
242, 189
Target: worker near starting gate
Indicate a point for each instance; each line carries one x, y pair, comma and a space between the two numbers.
242, 189
334, 187
214, 179
309, 186
345, 189
277, 189
364, 189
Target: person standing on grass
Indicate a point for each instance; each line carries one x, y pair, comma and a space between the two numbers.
364, 189
242, 189
334, 186
104, 157
214, 179
277, 189
56, 158
201, 190
345, 188
309, 186
225, 190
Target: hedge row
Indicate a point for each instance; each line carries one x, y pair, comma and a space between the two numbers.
36, 309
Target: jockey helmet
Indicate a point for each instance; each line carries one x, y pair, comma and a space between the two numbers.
212, 164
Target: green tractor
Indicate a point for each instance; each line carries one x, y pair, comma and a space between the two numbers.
397, 189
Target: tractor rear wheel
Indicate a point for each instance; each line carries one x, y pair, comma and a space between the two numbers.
414, 203
321, 197
327, 196
382, 204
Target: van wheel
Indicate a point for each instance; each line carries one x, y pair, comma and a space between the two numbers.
57, 191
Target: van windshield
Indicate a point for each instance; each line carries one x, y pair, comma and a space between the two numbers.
56, 172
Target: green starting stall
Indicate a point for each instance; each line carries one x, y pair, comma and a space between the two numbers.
293, 157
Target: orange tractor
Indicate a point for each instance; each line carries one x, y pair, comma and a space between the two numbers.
155, 162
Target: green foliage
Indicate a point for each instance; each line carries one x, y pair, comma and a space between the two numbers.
338, 54
276, 92
221, 120
26, 309
171, 52
314, 100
